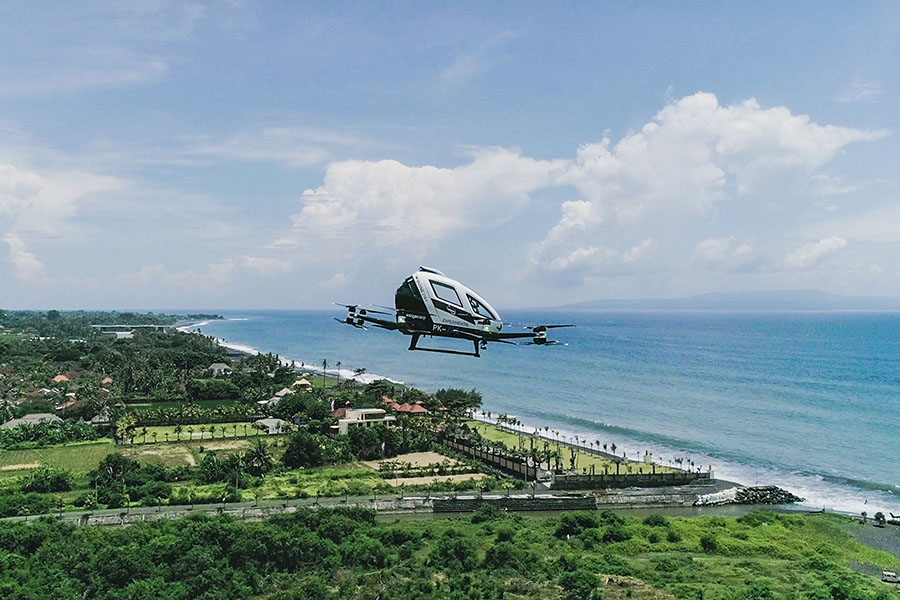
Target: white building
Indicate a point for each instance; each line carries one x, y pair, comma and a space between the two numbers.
363, 417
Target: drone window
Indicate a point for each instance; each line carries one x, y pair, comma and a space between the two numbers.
480, 309
445, 292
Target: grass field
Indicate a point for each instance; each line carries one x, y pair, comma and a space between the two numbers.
584, 460
142, 406
199, 432
77, 458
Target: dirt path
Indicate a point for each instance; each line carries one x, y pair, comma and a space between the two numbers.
428, 480
416, 459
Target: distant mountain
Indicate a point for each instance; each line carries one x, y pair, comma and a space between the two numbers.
773, 300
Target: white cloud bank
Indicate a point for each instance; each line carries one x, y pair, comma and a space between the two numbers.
635, 199
813, 254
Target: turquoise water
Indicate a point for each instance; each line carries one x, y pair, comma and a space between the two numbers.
808, 401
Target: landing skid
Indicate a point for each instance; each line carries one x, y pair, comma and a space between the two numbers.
415, 340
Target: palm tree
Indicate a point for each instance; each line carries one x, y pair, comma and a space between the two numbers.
190, 433
613, 448
154, 435
144, 433
234, 430
212, 431
222, 429
167, 437
324, 366
339, 372
245, 428
178, 430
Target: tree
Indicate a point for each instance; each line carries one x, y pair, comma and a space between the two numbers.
303, 450
880, 519
324, 367
178, 430
258, 459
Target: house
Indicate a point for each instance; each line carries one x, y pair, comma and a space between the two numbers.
69, 403
33, 419
271, 426
283, 392
60, 379
106, 381
102, 418
302, 383
417, 410
339, 413
219, 369
363, 417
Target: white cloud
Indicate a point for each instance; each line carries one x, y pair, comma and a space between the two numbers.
265, 266
73, 78
336, 281
725, 254
861, 91
26, 266
292, 146
812, 254
390, 204
475, 62
878, 225
214, 276
694, 156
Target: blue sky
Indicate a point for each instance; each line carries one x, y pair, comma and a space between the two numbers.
287, 155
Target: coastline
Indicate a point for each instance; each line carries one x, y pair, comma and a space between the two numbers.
821, 490
298, 365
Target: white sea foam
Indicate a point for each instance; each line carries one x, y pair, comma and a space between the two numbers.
816, 491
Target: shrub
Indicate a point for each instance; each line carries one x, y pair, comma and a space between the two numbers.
708, 543
656, 520
574, 523
579, 585
47, 479
616, 533
673, 536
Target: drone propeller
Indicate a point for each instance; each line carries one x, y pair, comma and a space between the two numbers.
355, 308
546, 327
349, 321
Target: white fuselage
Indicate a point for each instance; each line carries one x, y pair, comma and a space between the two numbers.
452, 304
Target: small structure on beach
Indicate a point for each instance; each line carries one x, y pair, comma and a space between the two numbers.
302, 384
219, 369
363, 417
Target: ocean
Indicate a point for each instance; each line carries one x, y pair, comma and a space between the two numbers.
809, 401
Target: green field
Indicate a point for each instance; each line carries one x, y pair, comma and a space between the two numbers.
584, 460
199, 432
77, 458
205, 404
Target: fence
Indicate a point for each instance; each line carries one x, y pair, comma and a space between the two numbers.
607, 481
513, 465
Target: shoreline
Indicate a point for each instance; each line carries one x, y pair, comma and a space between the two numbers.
819, 491
303, 367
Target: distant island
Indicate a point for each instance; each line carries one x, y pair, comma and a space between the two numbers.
765, 300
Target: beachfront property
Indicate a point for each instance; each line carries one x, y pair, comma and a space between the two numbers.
363, 417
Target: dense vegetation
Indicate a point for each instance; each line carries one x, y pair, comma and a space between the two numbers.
345, 553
